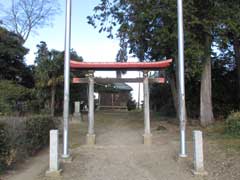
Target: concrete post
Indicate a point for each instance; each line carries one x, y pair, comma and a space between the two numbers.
53, 155
147, 137
77, 112
198, 154
91, 135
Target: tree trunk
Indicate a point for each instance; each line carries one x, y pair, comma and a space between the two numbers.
53, 93
206, 113
236, 46
174, 92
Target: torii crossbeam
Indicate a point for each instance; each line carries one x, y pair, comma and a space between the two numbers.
129, 66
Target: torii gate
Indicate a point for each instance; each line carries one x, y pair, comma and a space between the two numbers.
129, 66
145, 67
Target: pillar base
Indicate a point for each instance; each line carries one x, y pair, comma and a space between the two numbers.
182, 156
53, 173
77, 116
147, 139
199, 173
66, 159
91, 139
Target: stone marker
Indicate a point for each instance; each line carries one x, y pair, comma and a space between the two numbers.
198, 154
53, 155
77, 112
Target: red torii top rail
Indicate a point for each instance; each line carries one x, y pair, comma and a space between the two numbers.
120, 65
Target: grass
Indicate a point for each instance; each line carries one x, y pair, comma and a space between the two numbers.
216, 133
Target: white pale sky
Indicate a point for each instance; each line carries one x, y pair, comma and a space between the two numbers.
86, 40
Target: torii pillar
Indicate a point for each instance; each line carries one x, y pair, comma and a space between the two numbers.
91, 138
147, 137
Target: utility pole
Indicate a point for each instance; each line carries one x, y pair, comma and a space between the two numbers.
181, 89
66, 154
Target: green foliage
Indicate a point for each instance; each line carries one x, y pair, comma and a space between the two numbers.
49, 69
232, 126
11, 95
12, 66
229, 15
150, 35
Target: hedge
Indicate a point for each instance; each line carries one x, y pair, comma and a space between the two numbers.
20, 138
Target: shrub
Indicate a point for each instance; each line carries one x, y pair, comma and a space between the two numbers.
37, 132
21, 137
131, 105
4, 146
232, 126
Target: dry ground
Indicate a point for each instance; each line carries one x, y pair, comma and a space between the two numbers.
120, 155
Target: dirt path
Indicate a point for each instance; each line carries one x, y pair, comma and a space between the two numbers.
32, 169
120, 155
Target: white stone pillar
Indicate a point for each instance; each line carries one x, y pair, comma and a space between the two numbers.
198, 154
147, 137
76, 108
77, 112
53, 155
91, 134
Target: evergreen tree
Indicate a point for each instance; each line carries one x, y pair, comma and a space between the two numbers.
12, 65
49, 74
49, 71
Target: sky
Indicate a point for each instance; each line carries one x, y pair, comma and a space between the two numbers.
87, 41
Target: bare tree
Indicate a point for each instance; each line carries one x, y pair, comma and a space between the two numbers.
26, 16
